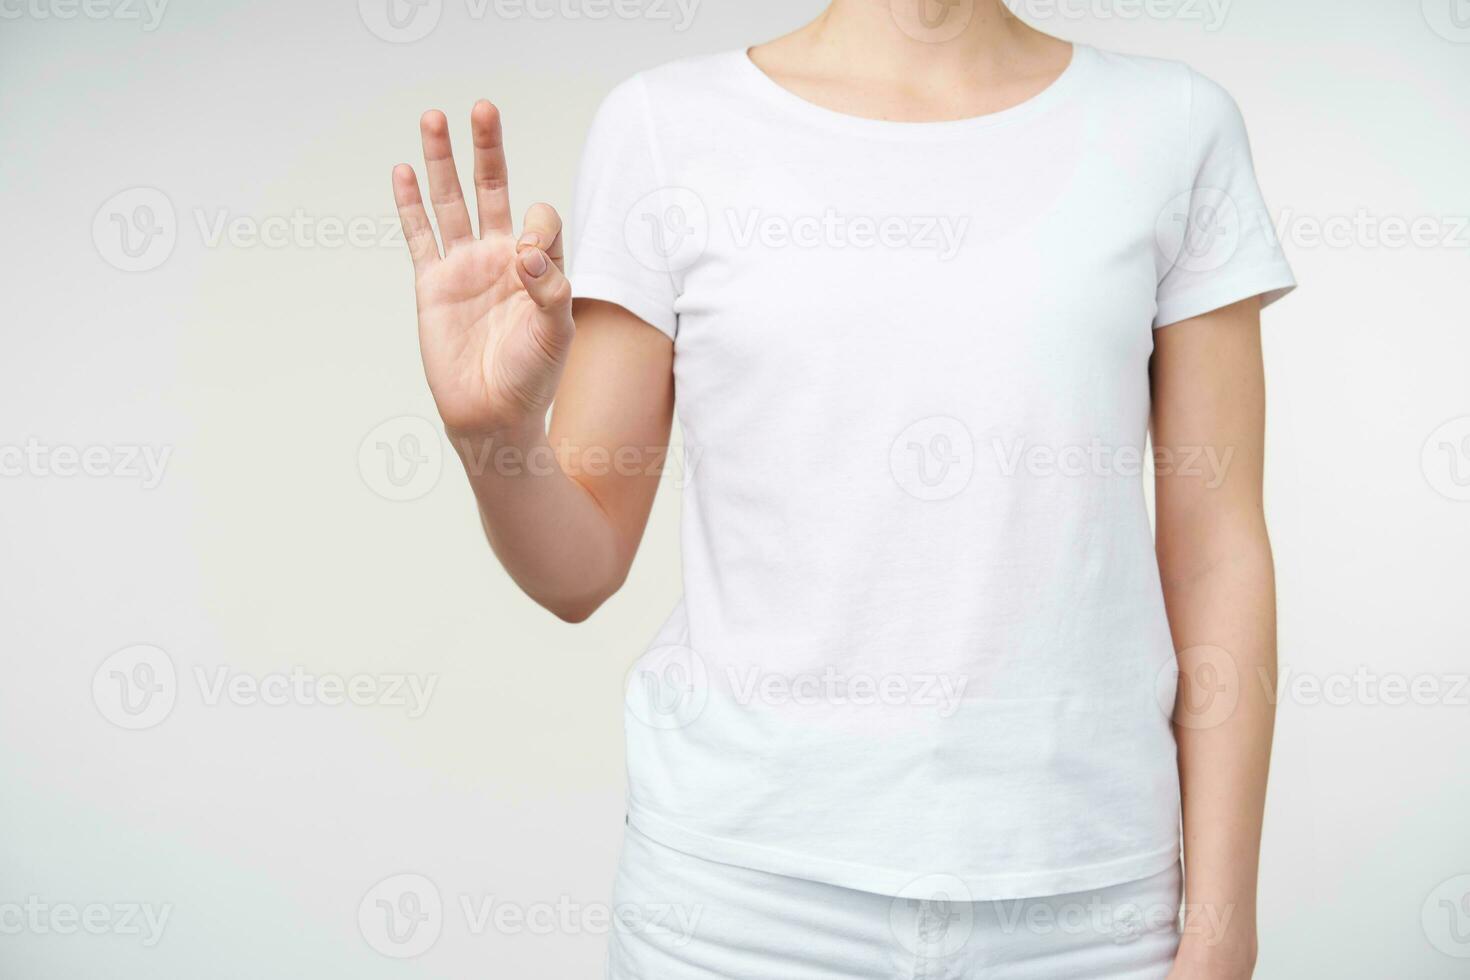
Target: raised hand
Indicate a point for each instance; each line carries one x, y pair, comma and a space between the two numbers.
495, 313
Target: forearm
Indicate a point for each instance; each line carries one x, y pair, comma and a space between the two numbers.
549, 531
1220, 593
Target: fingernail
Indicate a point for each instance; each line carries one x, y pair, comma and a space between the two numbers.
536, 263
531, 239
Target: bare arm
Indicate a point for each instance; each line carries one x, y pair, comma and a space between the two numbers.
1219, 586
564, 512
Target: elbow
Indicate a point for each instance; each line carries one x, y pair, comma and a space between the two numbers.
573, 613
579, 608
582, 588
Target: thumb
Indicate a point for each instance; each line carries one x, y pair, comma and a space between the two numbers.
549, 289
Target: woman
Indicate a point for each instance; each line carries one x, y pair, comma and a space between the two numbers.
923, 279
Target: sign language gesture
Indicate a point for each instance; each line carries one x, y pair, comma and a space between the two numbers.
495, 312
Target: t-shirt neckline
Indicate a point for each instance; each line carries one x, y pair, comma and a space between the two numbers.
767, 87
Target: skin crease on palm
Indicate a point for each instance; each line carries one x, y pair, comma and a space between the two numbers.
501, 340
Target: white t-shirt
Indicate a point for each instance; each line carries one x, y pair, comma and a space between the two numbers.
922, 636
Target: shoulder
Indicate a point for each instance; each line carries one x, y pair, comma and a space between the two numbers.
1167, 92
1155, 79
690, 84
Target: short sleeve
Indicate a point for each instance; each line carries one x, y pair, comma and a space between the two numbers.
1216, 239
619, 185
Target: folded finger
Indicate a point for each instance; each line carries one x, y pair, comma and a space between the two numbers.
542, 229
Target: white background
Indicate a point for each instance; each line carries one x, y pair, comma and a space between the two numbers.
268, 545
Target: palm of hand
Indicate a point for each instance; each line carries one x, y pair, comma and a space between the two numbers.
476, 335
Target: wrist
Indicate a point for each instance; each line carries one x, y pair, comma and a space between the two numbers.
507, 450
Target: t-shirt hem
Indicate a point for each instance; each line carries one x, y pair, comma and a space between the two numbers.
1269, 282
612, 290
894, 881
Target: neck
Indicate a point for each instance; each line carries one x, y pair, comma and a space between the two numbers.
917, 39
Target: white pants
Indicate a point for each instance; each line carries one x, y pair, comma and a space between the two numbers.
679, 917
